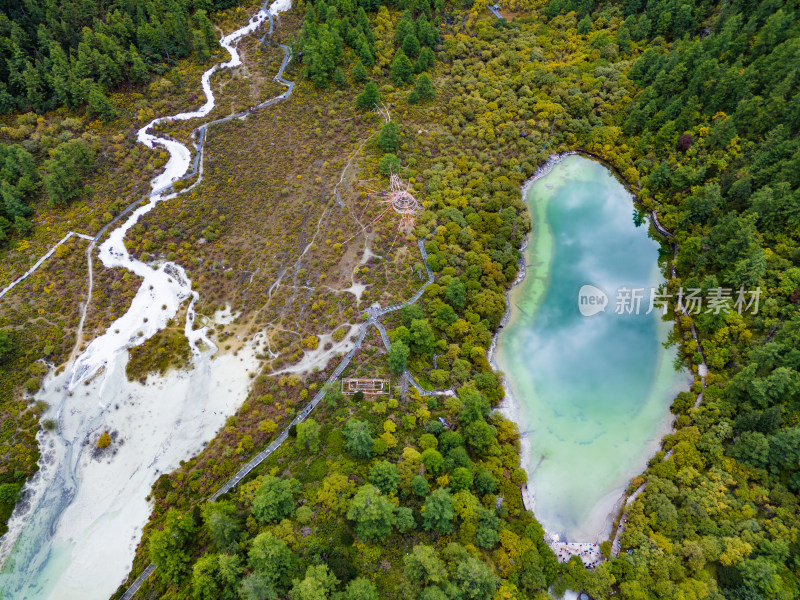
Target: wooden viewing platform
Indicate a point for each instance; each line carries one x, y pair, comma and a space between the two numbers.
367, 386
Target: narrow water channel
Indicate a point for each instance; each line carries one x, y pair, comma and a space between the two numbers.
591, 392
75, 534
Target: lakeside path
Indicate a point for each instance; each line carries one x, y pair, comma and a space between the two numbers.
616, 545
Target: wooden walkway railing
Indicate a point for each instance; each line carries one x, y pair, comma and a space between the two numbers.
658, 226
374, 314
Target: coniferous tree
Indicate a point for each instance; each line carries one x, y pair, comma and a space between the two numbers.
65, 171
322, 11
56, 47
389, 137
426, 33
199, 46
369, 98
411, 45
359, 72
60, 74
100, 105
389, 164
204, 25
138, 72
338, 78
404, 28
401, 70
424, 88
366, 54
425, 60
321, 59
362, 20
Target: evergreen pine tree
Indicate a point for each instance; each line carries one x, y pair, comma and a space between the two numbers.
338, 78
100, 105
322, 11
361, 18
424, 88
204, 25
138, 71
35, 88
389, 137
365, 54
22, 225
199, 46
401, 69
359, 72
404, 27
178, 30
311, 15
65, 170
321, 57
411, 45
369, 98
426, 33
425, 61
60, 73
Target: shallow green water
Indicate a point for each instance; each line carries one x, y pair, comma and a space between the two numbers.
591, 393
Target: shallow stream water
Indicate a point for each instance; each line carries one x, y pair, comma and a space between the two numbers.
75, 534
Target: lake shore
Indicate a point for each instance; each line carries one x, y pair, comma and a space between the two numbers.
510, 408
607, 508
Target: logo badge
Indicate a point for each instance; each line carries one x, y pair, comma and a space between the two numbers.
591, 300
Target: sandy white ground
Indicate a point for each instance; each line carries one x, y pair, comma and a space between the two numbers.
226, 316
320, 356
156, 426
165, 286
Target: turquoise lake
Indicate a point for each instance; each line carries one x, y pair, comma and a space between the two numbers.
591, 394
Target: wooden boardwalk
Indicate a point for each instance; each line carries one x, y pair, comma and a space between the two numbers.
658, 226
39, 262
129, 593
374, 314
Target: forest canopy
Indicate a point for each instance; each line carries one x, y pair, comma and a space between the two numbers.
695, 104
73, 52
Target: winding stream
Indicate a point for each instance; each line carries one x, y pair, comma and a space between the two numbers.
75, 533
